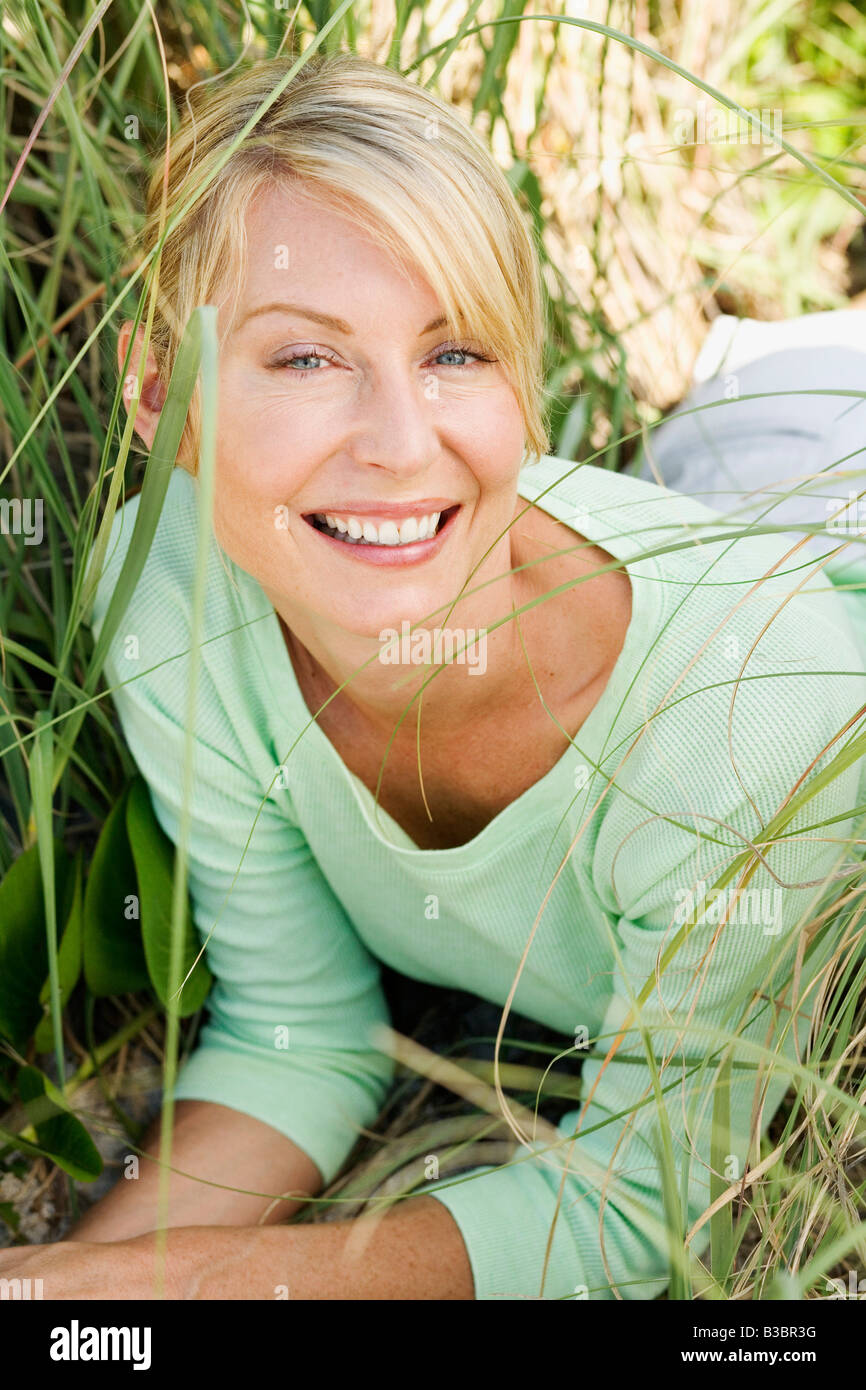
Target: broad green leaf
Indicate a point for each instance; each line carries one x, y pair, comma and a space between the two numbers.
153, 853
68, 963
60, 1134
114, 961
23, 947
25, 1146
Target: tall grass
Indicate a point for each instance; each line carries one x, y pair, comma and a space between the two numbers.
646, 230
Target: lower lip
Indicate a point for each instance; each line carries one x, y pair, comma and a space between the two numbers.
415, 553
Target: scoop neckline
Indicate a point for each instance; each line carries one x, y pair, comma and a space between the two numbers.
509, 823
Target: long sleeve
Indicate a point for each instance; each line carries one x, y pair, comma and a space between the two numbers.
296, 992
610, 1237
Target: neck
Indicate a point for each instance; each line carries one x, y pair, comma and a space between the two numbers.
463, 659
383, 693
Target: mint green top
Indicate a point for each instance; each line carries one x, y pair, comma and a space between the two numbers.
327, 887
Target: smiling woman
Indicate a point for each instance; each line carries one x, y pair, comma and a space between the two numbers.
654, 687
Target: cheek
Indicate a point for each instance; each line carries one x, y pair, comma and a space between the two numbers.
249, 529
259, 448
270, 440
492, 435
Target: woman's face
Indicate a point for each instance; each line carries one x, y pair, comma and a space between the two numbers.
340, 398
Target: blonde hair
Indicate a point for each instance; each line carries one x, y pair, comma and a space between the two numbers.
391, 154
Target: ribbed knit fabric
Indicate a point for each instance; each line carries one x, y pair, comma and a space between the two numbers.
327, 885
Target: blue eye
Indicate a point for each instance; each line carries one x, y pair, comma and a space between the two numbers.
458, 349
300, 357
463, 351
306, 357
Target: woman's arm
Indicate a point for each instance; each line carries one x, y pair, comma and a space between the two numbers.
214, 1145
411, 1250
284, 1075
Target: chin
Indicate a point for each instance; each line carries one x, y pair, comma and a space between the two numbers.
431, 613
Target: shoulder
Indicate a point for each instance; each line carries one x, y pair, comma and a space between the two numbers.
151, 650
163, 590
609, 503
160, 605
720, 584
746, 678
715, 594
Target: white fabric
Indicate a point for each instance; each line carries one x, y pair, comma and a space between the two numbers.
732, 342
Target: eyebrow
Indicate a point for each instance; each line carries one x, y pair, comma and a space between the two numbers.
327, 320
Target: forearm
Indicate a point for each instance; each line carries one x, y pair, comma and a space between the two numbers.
221, 1150
411, 1250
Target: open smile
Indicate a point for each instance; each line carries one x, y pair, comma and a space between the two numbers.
388, 540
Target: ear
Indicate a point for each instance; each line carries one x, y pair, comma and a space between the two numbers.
152, 397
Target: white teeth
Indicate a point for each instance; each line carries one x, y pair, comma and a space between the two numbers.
414, 528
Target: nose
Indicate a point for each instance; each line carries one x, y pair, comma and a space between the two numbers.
395, 426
